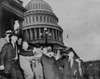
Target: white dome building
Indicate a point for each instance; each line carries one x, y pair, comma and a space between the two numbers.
39, 15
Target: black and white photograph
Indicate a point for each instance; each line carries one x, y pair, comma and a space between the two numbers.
49, 39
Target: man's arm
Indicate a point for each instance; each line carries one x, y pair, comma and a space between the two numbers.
2, 43
3, 54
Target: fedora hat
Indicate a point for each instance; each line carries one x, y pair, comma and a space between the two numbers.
8, 32
13, 34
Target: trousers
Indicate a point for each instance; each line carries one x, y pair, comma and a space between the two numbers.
37, 69
26, 67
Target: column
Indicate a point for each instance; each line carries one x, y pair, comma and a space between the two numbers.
39, 33
26, 34
61, 37
35, 33
49, 37
53, 34
31, 34
56, 34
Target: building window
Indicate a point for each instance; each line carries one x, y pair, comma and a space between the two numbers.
52, 20
42, 6
33, 6
48, 19
39, 5
36, 19
26, 20
44, 19
47, 7
29, 19
40, 18
36, 6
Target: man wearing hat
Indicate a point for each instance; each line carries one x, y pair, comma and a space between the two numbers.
5, 40
69, 64
8, 54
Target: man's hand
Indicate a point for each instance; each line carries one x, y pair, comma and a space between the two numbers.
34, 50
2, 67
75, 72
15, 58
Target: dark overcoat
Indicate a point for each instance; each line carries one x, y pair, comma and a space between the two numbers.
7, 55
50, 69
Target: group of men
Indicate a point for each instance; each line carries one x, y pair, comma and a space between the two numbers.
18, 61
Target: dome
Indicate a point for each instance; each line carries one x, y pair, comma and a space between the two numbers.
38, 5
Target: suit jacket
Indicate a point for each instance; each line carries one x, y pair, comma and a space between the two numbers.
8, 54
50, 69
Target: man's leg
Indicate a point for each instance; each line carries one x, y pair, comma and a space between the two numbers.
38, 71
26, 66
13, 73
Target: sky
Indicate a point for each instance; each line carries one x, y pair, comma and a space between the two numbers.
80, 20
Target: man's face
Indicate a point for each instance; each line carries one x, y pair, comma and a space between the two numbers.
25, 45
78, 60
50, 54
14, 38
7, 35
49, 49
19, 41
71, 54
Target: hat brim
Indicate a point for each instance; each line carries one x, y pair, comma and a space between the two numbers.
13, 35
7, 33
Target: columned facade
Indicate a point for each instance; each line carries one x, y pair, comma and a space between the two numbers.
10, 11
39, 15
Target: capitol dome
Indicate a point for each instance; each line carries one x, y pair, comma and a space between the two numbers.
38, 5
39, 15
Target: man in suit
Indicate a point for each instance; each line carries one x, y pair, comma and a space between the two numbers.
69, 64
8, 54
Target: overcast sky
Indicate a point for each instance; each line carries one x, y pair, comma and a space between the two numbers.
80, 19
